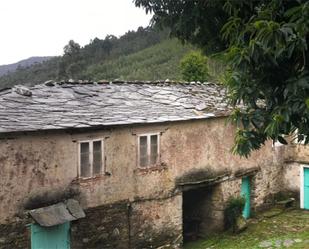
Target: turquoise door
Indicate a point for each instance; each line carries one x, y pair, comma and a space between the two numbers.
55, 237
306, 188
245, 192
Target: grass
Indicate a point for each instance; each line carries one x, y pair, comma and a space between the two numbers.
288, 225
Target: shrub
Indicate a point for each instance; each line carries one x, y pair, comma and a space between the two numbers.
233, 211
194, 67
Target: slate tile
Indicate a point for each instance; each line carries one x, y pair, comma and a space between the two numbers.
71, 105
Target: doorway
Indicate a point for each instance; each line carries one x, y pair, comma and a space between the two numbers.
246, 193
202, 212
55, 237
304, 187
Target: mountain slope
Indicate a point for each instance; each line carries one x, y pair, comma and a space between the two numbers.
145, 54
31, 75
4, 69
160, 61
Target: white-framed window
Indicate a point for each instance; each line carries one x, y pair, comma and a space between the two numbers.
91, 158
148, 150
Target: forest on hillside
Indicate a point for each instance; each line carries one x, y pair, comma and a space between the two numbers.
144, 54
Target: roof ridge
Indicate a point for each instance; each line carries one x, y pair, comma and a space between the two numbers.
51, 83
117, 81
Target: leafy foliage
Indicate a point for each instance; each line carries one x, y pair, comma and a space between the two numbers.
195, 21
233, 211
194, 67
269, 73
265, 44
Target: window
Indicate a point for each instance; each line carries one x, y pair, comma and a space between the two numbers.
148, 150
91, 161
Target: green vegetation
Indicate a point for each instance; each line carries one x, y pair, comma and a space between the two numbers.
292, 225
76, 61
160, 61
145, 54
265, 44
31, 75
233, 211
80, 62
194, 67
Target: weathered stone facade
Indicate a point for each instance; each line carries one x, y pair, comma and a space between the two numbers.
151, 210
128, 206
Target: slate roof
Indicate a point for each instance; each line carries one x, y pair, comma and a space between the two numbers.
67, 105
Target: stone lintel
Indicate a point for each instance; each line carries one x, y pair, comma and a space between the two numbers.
58, 213
203, 183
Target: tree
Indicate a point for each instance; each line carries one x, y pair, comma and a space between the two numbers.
71, 49
194, 67
70, 64
266, 48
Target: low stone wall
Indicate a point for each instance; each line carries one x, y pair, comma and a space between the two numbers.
142, 224
103, 227
136, 225
123, 225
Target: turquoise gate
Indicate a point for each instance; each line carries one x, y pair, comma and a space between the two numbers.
55, 237
245, 192
306, 188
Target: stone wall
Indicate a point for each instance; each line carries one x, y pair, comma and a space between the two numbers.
295, 156
214, 204
47, 163
156, 223
15, 235
143, 224
103, 227
297, 153
291, 178
123, 225
265, 184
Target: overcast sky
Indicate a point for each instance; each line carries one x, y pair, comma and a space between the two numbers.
44, 27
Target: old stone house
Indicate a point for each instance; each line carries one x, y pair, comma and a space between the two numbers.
128, 165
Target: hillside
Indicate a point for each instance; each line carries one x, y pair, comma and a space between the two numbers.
31, 75
160, 61
4, 69
145, 54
